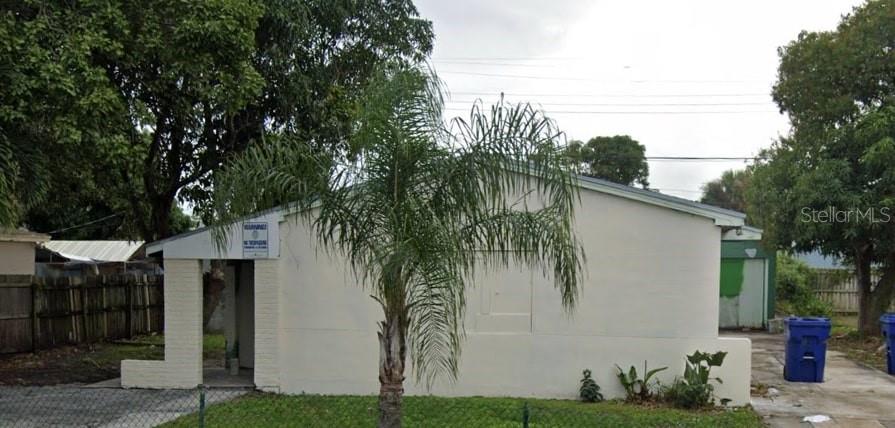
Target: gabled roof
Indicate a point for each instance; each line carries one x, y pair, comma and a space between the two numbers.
199, 241
721, 216
100, 251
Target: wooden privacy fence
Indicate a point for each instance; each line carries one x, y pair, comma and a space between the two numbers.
840, 288
38, 312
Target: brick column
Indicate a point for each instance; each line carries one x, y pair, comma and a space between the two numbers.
267, 322
182, 367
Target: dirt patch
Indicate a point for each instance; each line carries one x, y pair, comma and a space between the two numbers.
94, 362
867, 350
72, 364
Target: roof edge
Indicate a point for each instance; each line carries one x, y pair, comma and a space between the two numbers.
721, 216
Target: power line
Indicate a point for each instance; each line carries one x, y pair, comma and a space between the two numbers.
85, 224
700, 158
552, 112
498, 64
517, 94
635, 104
583, 79
482, 58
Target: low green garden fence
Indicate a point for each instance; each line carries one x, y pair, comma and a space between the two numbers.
241, 408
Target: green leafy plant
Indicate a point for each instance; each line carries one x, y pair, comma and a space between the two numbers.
795, 295
693, 390
637, 389
589, 391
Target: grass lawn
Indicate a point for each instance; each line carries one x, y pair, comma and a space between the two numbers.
844, 337
361, 411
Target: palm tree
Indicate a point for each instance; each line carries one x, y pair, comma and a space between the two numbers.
416, 205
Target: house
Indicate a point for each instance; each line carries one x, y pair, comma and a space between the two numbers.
17, 248
748, 273
304, 325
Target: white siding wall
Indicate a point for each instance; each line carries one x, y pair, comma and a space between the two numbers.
651, 293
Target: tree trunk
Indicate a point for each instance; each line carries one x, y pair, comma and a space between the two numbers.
391, 372
873, 301
866, 323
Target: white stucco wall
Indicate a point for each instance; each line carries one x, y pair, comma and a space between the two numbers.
650, 293
16, 258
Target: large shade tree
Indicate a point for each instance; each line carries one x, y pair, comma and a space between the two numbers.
830, 184
417, 206
153, 97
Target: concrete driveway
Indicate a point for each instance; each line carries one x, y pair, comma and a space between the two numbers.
851, 395
100, 407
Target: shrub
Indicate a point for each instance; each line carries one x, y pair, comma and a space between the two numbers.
693, 390
795, 295
637, 389
589, 391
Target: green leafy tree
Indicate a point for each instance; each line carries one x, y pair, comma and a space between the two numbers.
729, 191
156, 96
620, 159
418, 207
837, 88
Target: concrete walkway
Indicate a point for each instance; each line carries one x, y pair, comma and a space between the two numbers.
851, 395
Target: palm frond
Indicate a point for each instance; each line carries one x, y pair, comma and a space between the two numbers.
418, 204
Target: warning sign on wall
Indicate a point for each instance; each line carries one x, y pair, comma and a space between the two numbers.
254, 240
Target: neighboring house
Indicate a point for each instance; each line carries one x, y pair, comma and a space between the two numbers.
79, 258
748, 273
17, 248
305, 326
816, 260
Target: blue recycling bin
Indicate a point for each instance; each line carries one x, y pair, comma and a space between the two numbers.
806, 348
887, 325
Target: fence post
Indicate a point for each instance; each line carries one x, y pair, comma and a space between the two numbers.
84, 324
525, 415
129, 295
201, 406
35, 321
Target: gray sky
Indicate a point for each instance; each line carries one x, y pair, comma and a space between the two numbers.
599, 57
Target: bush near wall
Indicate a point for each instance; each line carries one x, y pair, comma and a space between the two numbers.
795, 294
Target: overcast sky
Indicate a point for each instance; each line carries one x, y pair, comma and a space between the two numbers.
590, 64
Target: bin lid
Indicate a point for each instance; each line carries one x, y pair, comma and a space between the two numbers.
888, 318
809, 321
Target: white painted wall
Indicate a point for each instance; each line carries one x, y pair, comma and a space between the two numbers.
651, 293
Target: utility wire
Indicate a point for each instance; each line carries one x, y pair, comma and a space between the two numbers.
583, 79
579, 95
635, 104
700, 158
85, 224
551, 112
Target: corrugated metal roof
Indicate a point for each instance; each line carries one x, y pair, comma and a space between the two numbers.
102, 251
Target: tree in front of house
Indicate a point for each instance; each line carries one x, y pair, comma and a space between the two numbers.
152, 98
417, 207
620, 159
728, 191
830, 184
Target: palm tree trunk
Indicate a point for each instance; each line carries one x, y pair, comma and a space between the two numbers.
391, 372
